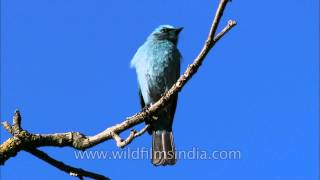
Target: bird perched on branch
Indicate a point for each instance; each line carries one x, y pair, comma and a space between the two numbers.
157, 64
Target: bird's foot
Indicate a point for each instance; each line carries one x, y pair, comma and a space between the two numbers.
146, 107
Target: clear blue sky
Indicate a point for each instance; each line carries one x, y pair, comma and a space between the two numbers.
65, 65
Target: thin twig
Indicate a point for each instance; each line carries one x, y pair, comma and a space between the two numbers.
133, 134
7, 126
216, 20
231, 24
17, 121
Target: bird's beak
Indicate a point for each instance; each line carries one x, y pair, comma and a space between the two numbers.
178, 30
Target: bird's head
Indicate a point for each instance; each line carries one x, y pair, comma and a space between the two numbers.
166, 32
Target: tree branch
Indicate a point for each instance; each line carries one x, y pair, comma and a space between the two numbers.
77, 172
15, 129
23, 140
133, 134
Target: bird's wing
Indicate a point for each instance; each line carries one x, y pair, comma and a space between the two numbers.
142, 103
141, 99
173, 107
175, 97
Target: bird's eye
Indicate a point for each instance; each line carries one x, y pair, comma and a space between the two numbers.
164, 30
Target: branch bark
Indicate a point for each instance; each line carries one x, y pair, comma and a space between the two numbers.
23, 140
17, 132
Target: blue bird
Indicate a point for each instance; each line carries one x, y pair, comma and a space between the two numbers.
157, 64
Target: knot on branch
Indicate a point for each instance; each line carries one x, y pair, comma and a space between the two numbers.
79, 140
16, 130
20, 139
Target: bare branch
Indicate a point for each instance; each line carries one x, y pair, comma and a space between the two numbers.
14, 142
133, 134
78, 172
216, 20
7, 126
226, 29
17, 121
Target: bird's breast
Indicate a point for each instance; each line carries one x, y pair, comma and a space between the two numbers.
157, 69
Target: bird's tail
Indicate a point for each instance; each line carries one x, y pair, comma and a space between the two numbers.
163, 149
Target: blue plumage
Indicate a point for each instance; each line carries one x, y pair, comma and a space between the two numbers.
157, 63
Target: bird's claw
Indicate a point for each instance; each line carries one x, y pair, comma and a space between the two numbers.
146, 107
